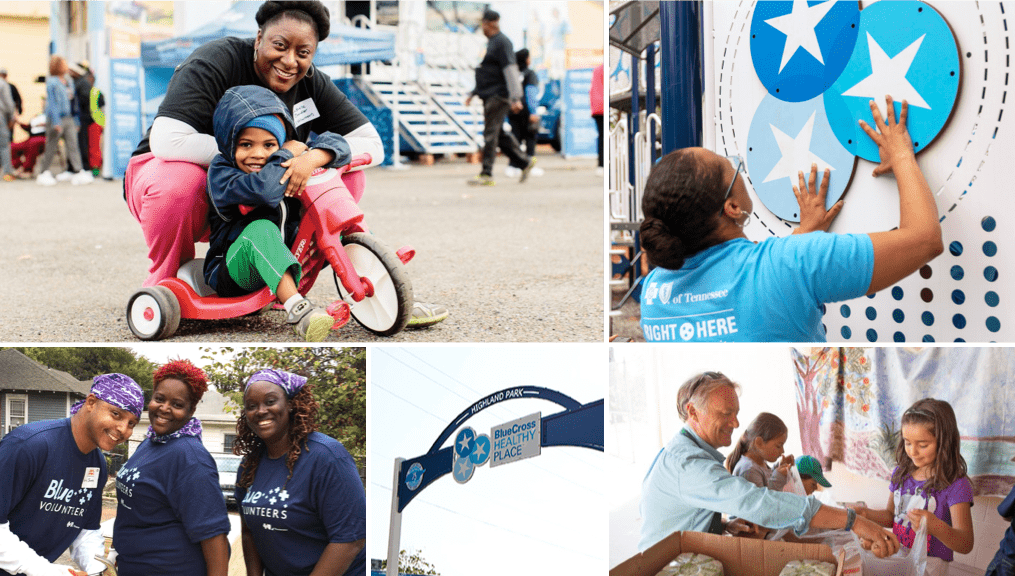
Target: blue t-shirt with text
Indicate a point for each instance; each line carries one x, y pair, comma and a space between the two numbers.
170, 500
292, 521
739, 291
44, 493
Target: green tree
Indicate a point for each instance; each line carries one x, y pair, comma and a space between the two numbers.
338, 376
84, 363
412, 562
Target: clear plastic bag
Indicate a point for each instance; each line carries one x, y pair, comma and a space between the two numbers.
907, 561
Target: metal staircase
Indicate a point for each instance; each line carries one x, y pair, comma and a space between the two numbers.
428, 123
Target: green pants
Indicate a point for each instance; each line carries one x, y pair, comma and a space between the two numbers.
259, 257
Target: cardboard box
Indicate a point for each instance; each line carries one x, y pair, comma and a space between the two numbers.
739, 556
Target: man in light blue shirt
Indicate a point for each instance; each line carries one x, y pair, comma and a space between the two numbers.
687, 487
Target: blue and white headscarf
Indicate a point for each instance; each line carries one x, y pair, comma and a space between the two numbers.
191, 428
291, 383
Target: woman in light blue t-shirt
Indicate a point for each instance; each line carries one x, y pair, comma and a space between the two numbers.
713, 284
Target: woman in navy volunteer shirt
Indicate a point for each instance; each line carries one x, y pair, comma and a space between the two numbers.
171, 518
713, 284
301, 497
54, 473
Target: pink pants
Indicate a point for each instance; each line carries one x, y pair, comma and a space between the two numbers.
169, 199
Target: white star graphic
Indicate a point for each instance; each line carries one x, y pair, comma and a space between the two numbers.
284, 495
465, 441
272, 500
798, 26
463, 465
479, 450
888, 76
796, 153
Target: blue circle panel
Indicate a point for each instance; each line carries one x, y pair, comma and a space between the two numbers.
989, 248
872, 335
990, 273
959, 321
928, 318
955, 248
844, 310
992, 299
846, 332
898, 315
993, 324
897, 293
800, 48
899, 337
988, 223
904, 49
785, 139
957, 272
958, 296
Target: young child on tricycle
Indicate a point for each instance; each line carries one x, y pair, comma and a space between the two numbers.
254, 215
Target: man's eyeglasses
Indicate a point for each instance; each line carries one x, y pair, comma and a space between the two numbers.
738, 164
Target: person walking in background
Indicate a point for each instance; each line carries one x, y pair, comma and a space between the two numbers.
498, 86
8, 115
84, 81
525, 124
596, 102
15, 94
60, 124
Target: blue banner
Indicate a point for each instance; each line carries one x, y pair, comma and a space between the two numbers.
580, 135
123, 121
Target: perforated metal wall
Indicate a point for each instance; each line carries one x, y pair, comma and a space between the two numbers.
966, 294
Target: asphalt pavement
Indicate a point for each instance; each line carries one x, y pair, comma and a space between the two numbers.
513, 262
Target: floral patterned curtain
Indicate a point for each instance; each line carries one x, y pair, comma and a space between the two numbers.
850, 403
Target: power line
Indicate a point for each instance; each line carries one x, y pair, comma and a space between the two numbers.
375, 385
541, 541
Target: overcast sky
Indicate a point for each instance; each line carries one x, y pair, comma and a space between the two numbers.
543, 515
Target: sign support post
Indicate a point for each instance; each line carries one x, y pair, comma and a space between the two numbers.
395, 526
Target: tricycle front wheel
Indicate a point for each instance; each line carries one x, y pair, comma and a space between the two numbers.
387, 311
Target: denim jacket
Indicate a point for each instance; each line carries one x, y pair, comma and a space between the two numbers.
229, 187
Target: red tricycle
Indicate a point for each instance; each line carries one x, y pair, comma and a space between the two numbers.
370, 276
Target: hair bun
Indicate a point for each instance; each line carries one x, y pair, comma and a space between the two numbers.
662, 246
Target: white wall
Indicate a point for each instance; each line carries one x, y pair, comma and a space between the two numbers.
766, 374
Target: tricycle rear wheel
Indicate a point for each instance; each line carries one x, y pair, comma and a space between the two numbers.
153, 313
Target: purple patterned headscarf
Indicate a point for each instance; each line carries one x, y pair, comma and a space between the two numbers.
191, 428
291, 383
118, 390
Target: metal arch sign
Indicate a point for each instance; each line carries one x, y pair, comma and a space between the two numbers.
578, 425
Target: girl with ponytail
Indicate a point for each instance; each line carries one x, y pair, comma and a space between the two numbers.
761, 443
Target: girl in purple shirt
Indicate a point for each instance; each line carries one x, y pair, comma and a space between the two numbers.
930, 483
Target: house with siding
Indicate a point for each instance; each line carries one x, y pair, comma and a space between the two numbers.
30, 392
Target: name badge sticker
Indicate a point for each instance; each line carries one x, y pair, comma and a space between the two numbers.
91, 478
305, 111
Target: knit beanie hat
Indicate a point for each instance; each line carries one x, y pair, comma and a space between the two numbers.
268, 122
